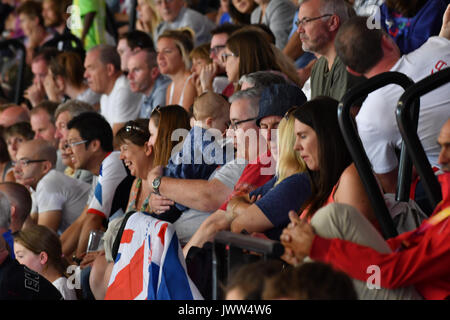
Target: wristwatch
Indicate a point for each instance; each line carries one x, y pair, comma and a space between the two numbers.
156, 183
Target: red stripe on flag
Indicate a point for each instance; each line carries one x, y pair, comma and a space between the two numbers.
127, 236
128, 283
162, 233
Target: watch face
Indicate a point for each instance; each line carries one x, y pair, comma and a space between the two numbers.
156, 183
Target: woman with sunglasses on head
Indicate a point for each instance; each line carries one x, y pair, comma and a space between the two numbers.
143, 145
173, 48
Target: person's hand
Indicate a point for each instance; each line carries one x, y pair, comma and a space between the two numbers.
52, 91
159, 204
445, 29
207, 76
255, 198
35, 93
89, 257
297, 239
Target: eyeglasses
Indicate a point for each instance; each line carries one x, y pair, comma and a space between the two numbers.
25, 162
235, 124
304, 21
73, 144
216, 49
225, 56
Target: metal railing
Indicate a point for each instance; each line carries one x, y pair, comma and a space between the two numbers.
13, 44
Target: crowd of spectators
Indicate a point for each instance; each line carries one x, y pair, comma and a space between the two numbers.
209, 116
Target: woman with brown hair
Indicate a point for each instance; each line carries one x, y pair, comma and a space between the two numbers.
173, 48
65, 77
200, 58
143, 145
248, 51
39, 248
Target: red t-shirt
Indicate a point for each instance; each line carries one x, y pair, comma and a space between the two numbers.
250, 179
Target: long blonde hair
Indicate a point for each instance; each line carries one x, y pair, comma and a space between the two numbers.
289, 161
155, 20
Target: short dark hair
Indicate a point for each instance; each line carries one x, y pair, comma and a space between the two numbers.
48, 106
108, 55
227, 28
138, 39
19, 128
93, 126
32, 9
358, 46
46, 54
135, 131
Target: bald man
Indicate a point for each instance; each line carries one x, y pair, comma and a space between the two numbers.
20, 200
57, 199
14, 114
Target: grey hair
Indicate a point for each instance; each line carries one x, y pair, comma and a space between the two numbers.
338, 7
108, 55
261, 79
252, 94
5, 211
74, 107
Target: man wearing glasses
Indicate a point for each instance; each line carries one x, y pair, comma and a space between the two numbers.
317, 26
57, 199
175, 15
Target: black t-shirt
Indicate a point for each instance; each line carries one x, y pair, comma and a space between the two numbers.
17, 282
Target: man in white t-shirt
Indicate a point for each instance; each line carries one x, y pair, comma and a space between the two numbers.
57, 199
370, 52
118, 104
90, 144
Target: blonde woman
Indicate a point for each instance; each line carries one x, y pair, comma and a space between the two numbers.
148, 17
39, 248
173, 48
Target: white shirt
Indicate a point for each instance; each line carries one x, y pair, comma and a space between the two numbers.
376, 120
56, 191
121, 105
61, 285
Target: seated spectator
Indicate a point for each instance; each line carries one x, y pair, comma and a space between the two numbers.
309, 281
118, 104
411, 23
203, 148
39, 248
65, 79
58, 199
200, 59
317, 25
131, 42
176, 15
148, 17
42, 121
173, 48
54, 13
140, 156
32, 24
223, 15
35, 94
18, 214
144, 77
241, 10
319, 139
246, 52
213, 77
15, 135
247, 281
277, 15
13, 114
63, 114
376, 121
90, 142
17, 282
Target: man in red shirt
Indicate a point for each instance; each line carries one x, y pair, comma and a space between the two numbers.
340, 236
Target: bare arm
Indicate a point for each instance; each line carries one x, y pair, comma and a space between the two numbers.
388, 181
69, 238
50, 219
293, 48
88, 20
351, 191
248, 216
445, 30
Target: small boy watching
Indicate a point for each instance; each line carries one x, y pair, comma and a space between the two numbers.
204, 148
